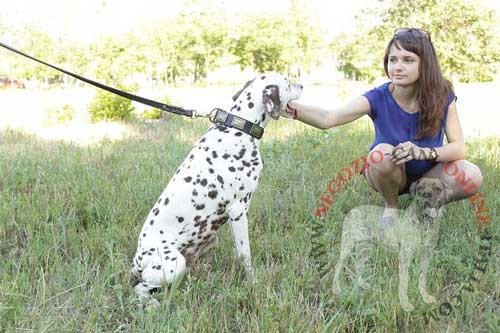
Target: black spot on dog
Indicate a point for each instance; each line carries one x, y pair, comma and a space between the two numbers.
200, 206
232, 169
211, 170
214, 154
203, 140
240, 154
152, 222
250, 105
220, 179
238, 134
180, 219
204, 182
262, 77
263, 117
197, 218
209, 160
166, 201
188, 179
195, 193
226, 155
212, 194
191, 156
156, 211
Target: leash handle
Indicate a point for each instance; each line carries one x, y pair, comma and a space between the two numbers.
146, 101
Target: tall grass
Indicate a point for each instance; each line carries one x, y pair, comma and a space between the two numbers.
70, 217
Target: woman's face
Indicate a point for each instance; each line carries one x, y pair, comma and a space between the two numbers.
402, 66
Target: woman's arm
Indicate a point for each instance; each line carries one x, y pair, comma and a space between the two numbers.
455, 148
452, 151
327, 118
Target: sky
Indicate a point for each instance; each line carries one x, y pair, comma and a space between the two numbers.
77, 19
84, 19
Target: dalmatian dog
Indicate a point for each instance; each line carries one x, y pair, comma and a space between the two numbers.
212, 186
415, 233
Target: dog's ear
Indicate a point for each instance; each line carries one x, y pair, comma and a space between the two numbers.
271, 100
412, 190
235, 97
444, 195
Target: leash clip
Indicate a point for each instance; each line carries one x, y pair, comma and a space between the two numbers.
209, 116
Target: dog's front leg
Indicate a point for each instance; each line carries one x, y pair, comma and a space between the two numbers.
406, 253
428, 244
239, 229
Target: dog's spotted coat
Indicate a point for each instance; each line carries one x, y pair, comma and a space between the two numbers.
213, 185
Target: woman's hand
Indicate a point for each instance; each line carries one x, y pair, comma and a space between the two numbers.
408, 151
290, 110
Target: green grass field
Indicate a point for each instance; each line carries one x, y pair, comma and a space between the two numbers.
70, 216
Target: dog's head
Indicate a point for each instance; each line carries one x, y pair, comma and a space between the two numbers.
429, 195
276, 91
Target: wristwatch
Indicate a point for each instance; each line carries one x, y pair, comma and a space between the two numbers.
433, 154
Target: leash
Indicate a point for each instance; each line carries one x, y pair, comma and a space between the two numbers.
216, 116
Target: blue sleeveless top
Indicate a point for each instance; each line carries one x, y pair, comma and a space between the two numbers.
393, 125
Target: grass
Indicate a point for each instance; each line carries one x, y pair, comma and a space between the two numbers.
70, 216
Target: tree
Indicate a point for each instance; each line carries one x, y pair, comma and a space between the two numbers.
463, 34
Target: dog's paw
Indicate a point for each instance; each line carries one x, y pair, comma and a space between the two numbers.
336, 289
363, 284
407, 306
152, 303
428, 298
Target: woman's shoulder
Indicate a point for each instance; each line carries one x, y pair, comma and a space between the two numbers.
378, 90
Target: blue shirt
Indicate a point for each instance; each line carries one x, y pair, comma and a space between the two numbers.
393, 125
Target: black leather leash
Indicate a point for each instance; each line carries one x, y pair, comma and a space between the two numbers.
216, 116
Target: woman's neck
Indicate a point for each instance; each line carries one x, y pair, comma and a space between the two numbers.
406, 97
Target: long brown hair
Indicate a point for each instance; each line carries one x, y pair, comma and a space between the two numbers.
433, 90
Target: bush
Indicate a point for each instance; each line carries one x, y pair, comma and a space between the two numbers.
152, 114
108, 106
59, 115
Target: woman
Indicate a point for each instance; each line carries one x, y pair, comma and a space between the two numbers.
411, 115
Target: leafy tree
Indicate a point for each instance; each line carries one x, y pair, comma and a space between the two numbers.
116, 58
463, 34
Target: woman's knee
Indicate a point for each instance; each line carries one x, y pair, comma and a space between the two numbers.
466, 175
380, 161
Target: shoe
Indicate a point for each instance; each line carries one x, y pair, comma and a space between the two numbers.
386, 222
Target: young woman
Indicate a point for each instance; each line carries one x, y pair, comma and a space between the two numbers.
411, 115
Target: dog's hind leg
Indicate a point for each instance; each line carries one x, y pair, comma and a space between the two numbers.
405, 258
348, 240
156, 267
423, 268
363, 251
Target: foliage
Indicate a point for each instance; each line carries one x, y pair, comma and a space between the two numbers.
193, 43
70, 217
277, 42
464, 35
59, 115
110, 107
